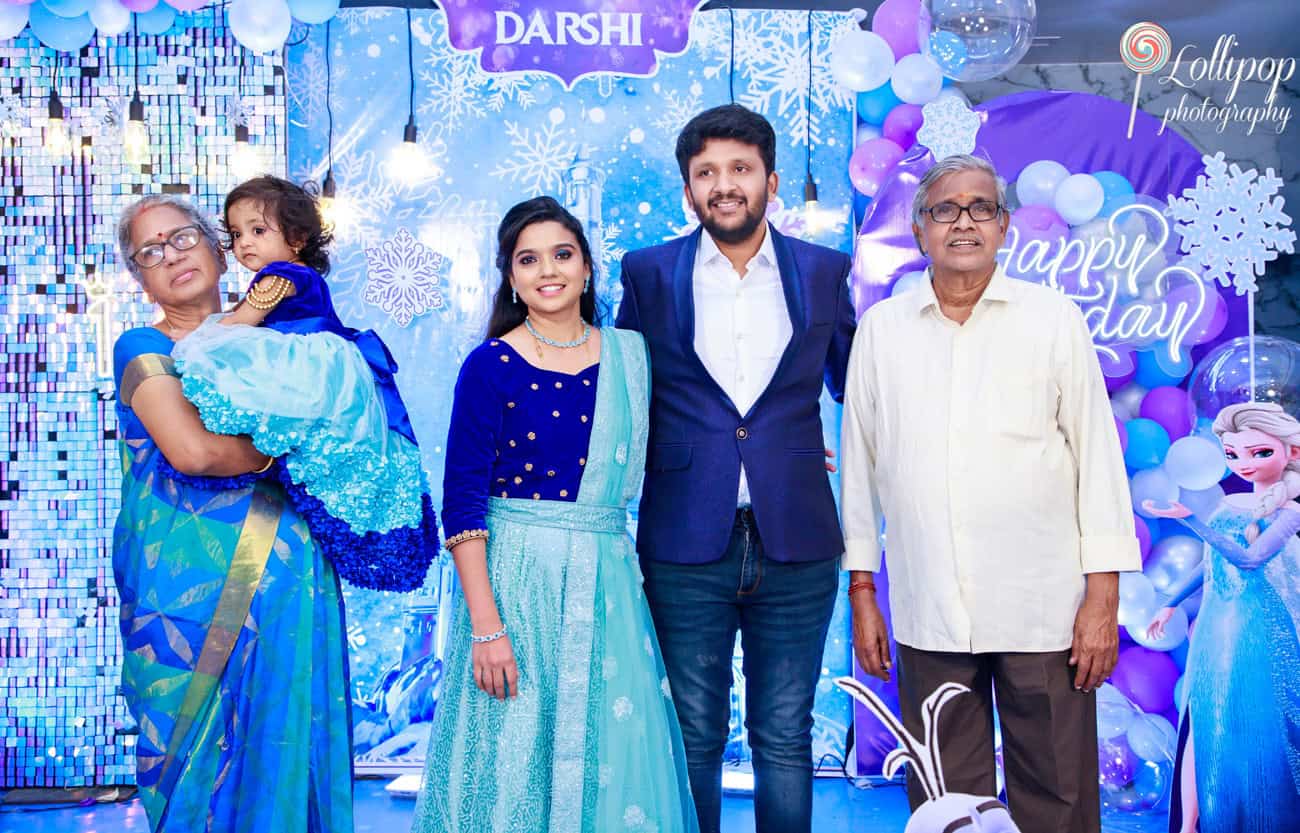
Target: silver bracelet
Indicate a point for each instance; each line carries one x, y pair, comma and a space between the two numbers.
491, 637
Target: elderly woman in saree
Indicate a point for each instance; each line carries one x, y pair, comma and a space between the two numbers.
234, 645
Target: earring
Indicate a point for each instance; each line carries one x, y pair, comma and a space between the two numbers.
586, 285
514, 295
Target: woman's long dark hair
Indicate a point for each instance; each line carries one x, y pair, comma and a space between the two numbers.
506, 312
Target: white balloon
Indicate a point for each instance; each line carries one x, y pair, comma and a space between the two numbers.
260, 25
1137, 598
1174, 635
13, 19
1079, 198
865, 133
1195, 463
1037, 183
861, 60
110, 17
916, 79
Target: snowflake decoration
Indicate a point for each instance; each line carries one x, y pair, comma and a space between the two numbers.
622, 709
308, 80
1231, 223
771, 69
239, 110
9, 117
610, 252
455, 89
108, 119
402, 279
948, 127
541, 157
676, 109
356, 20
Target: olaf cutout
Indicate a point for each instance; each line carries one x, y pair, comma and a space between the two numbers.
942, 812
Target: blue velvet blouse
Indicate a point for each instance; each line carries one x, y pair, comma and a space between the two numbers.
517, 431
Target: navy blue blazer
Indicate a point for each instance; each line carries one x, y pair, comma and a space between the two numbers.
698, 438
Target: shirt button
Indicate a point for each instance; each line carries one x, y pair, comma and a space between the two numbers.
742, 433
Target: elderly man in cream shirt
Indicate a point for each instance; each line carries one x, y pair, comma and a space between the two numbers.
976, 424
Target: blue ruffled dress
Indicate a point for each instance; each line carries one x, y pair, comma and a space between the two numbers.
322, 398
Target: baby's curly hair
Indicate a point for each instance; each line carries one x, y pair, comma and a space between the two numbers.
295, 212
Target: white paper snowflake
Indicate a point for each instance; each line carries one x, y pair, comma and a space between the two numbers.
403, 277
948, 127
9, 117
540, 157
239, 110
1231, 222
108, 119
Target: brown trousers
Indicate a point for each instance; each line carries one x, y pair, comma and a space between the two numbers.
1049, 733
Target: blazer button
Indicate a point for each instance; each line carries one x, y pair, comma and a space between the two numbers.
742, 433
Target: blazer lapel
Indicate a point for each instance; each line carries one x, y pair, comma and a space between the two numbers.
684, 302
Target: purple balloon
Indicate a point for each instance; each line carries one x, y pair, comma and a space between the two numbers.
1118, 371
1171, 407
902, 123
139, 5
1039, 222
1146, 677
871, 162
1212, 318
1143, 535
1123, 435
896, 22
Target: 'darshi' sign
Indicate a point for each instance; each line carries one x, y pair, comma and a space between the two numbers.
571, 38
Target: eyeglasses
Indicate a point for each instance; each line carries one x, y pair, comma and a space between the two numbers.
980, 211
182, 240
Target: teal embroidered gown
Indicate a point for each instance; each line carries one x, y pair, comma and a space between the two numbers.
234, 648
546, 463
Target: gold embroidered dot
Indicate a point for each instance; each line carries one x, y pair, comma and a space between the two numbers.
555, 413
494, 343
503, 494
510, 404
532, 435
536, 496
559, 385
528, 466
533, 386
505, 358
518, 480
512, 443
584, 417
564, 493
501, 480
587, 382
551, 473
582, 461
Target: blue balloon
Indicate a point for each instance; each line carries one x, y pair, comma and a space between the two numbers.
1148, 442
66, 34
1179, 656
68, 8
313, 11
157, 20
874, 105
1151, 782
1151, 372
1180, 694
1118, 191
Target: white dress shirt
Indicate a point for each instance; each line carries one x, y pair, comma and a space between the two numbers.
992, 451
742, 325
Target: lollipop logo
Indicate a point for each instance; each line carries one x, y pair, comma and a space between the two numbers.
1144, 49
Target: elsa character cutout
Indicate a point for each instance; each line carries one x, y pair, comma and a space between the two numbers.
943, 811
1240, 738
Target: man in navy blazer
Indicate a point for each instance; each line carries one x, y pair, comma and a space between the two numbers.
738, 528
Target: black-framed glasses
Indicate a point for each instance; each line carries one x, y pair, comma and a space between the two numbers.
182, 240
980, 211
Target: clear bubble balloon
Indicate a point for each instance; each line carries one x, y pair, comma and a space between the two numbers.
994, 35
1223, 377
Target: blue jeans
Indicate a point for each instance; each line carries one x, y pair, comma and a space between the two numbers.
782, 611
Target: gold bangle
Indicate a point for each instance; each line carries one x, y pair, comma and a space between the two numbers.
462, 537
269, 462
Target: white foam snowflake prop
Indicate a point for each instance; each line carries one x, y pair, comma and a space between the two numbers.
1231, 222
948, 127
403, 278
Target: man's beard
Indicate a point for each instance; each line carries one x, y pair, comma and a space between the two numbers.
754, 216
